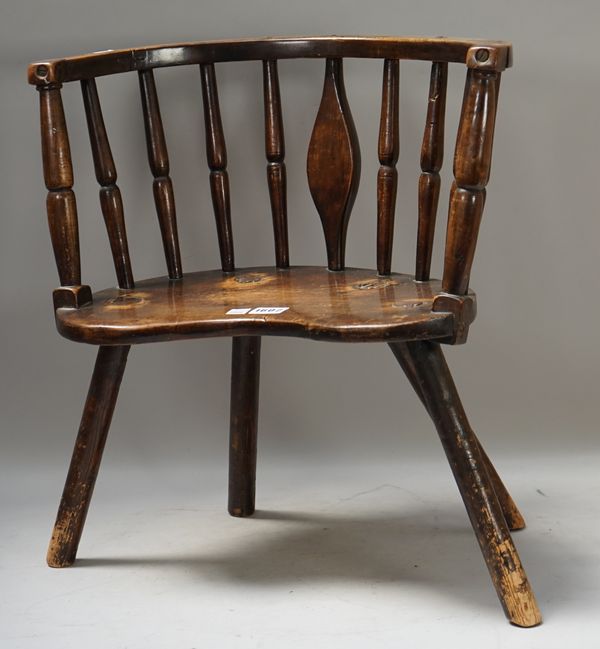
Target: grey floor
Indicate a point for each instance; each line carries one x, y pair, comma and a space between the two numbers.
378, 554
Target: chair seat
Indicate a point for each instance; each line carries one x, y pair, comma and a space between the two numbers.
304, 301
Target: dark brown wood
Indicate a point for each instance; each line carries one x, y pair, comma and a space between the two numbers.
162, 187
464, 309
111, 202
387, 176
275, 151
412, 314
87, 455
498, 53
354, 306
432, 156
472, 161
71, 297
333, 165
216, 154
462, 449
64, 233
58, 175
512, 515
245, 374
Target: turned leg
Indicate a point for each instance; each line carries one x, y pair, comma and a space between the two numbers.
245, 373
514, 518
87, 455
439, 393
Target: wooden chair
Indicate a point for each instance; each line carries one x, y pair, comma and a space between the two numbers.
413, 314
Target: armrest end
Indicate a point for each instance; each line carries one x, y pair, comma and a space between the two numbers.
464, 309
72, 297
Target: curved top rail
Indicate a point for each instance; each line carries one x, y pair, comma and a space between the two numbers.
485, 55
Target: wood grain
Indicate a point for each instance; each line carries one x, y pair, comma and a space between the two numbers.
216, 154
111, 202
87, 455
58, 175
387, 176
275, 152
432, 156
472, 161
512, 515
413, 314
420, 48
162, 187
245, 374
354, 306
481, 502
333, 165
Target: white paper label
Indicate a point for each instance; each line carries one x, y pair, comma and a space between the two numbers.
259, 310
237, 311
270, 310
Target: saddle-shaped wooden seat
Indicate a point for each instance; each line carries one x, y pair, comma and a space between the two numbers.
304, 301
413, 313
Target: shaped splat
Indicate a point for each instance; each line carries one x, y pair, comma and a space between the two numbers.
333, 165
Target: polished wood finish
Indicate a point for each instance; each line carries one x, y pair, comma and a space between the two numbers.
512, 515
354, 306
484, 510
162, 186
58, 175
111, 202
275, 152
216, 154
413, 314
432, 156
333, 165
472, 161
87, 455
498, 54
245, 373
387, 176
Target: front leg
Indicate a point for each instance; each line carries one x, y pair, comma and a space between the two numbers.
462, 449
514, 518
87, 455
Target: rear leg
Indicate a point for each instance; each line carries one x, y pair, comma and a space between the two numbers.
245, 375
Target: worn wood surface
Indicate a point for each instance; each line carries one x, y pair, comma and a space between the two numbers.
333, 165
512, 515
162, 186
387, 177
450, 50
275, 152
472, 162
432, 156
355, 305
216, 154
111, 202
484, 510
245, 374
87, 455
58, 175
333, 304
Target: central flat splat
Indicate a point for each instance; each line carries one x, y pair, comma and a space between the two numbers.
333, 165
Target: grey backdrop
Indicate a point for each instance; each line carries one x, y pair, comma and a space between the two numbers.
529, 377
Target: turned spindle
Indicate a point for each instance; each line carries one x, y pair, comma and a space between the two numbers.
162, 185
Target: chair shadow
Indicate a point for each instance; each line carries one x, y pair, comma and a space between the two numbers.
428, 549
